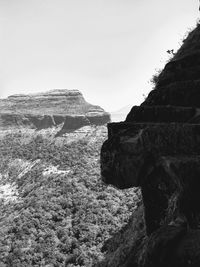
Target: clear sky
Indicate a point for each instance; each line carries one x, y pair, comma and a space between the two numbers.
108, 49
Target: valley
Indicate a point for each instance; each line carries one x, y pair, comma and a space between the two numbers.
55, 210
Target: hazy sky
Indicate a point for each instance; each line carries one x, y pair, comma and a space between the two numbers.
108, 49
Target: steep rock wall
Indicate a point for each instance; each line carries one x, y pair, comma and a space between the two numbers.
157, 149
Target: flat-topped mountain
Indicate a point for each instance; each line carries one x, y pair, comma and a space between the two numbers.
51, 108
54, 102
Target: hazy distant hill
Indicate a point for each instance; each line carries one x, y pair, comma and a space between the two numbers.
120, 115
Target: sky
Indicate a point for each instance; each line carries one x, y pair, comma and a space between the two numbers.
108, 49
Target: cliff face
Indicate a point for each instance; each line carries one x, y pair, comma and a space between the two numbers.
49, 109
157, 148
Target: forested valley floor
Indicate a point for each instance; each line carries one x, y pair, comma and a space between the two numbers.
55, 210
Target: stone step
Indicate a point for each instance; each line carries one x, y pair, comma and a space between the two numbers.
192, 73
184, 61
162, 139
162, 114
185, 94
181, 69
132, 128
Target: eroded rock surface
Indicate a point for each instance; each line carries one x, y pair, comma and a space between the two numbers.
157, 148
73, 123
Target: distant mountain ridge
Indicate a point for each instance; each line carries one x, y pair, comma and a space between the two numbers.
51, 108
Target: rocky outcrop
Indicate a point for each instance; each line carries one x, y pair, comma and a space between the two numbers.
73, 123
97, 117
42, 121
44, 110
16, 120
26, 120
157, 148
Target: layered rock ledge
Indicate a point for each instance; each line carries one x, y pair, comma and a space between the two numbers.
44, 110
157, 148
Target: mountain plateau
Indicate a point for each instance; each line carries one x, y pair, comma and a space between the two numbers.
52, 108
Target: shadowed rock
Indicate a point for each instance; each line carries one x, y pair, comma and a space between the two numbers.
158, 149
132, 148
162, 114
11, 119
42, 122
58, 119
73, 123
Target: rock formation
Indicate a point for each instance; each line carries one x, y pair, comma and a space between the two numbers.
96, 117
72, 123
43, 110
157, 148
